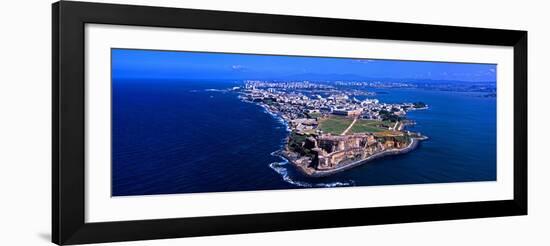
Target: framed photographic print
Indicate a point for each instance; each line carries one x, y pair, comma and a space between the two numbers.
176, 122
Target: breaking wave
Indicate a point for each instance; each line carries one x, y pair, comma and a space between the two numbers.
277, 118
216, 90
282, 169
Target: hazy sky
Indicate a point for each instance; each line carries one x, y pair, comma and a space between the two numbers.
199, 65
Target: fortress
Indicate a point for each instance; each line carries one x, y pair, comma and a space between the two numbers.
334, 133
331, 151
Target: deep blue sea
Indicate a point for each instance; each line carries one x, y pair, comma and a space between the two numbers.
186, 137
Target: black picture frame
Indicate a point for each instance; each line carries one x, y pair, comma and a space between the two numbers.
68, 172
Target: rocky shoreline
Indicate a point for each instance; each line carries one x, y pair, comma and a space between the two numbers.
314, 173
292, 110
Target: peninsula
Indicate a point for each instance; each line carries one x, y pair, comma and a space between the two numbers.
330, 130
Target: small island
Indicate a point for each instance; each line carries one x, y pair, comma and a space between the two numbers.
334, 132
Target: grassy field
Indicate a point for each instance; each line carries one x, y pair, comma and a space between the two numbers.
389, 134
369, 126
334, 125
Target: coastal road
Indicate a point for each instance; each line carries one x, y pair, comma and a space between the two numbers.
350, 126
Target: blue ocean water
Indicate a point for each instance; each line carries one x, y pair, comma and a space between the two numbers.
173, 136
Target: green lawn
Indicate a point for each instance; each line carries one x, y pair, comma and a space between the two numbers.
335, 124
369, 126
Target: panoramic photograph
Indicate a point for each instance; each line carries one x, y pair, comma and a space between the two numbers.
194, 122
